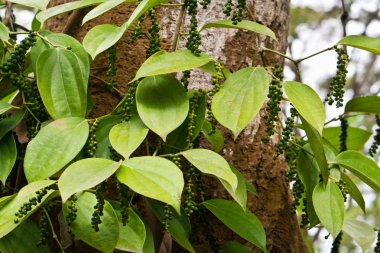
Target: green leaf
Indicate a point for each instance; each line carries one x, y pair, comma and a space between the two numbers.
369, 104
179, 226
66, 7
8, 124
4, 32
164, 62
102, 37
85, 174
215, 139
60, 82
234, 247
54, 147
102, 133
142, 8
149, 240
212, 163
154, 177
23, 239
162, 104
4, 107
307, 102
316, 144
360, 232
353, 190
240, 194
356, 137
362, 167
38, 4
102, 8
131, 236
240, 98
329, 206
242, 25
245, 224
8, 155
127, 136
106, 238
7, 212
362, 42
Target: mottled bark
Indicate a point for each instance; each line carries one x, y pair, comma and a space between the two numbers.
236, 49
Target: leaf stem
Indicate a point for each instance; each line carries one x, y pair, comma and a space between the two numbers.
53, 231
312, 55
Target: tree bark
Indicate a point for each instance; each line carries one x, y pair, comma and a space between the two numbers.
235, 49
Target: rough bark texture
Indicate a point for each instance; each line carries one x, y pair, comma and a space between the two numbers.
236, 49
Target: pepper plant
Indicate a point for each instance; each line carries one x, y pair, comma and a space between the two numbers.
148, 147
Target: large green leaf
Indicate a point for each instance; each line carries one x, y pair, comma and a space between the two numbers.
212, 163
162, 104
243, 25
362, 167
307, 102
316, 144
369, 104
4, 32
240, 194
215, 138
9, 123
4, 107
154, 177
85, 174
362, 42
105, 124
54, 147
66, 7
102, 37
126, 137
60, 82
240, 98
23, 239
38, 4
7, 212
245, 224
8, 155
102, 8
164, 62
360, 232
353, 190
356, 137
179, 226
106, 238
329, 206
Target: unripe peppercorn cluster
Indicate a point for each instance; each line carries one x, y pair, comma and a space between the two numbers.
216, 81
238, 15
124, 199
228, 8
194, 101
336, 91
92, 144
287, 131
376, 138
168, 216
129, 104
343, 134
44, 225
72, 214
154, 40
377, 246
137, 31
194, 39
185, 79
336, 243
111, 72
275, 97
205, 3
99, 207
298, 189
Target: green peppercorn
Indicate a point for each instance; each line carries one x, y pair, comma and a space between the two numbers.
238, 15
92, 144
336, 243
99, 206
111, 72
377, 247
154, 40
194, 39
376, 138
343, 134
228, 8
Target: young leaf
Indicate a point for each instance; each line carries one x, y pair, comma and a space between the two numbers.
245, 224
369, 104
54, 147
307, 102
7, 212
362, 167
356, 137
162, 104
60, 83
126, 137
164, 62
360, 232
102, 37
8, 155
4, 107
85, 174
243, 25
23, 239
102, 8
215, 139
102, 132
354, 191
106, 238
240, 98
362, 42
329, 206
38, 4
4, 32
142, 8
8, 124
210, 162
162, 179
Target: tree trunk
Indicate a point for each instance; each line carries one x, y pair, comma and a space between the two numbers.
235, 49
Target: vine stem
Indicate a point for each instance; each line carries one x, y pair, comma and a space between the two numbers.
177, 32
53, 231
